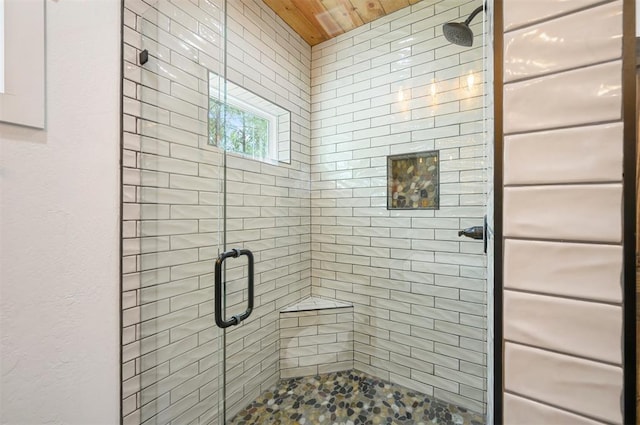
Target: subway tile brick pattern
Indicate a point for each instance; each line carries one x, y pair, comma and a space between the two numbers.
172, 186
316, 342
563, 256
418, 290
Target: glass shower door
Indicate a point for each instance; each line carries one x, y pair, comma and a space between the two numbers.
180, 172
325, 223
327, 209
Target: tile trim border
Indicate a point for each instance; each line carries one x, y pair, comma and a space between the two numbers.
120, 223
629, 116
498, 190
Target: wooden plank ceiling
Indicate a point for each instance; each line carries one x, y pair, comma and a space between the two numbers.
320, 20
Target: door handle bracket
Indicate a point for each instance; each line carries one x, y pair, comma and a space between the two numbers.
219, 314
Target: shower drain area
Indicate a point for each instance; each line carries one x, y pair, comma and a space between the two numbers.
349, 398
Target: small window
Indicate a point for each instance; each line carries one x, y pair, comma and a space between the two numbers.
247, 124
243, 131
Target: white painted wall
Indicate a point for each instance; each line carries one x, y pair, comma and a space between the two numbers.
59, 231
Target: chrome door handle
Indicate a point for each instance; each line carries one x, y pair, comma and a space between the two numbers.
219, 316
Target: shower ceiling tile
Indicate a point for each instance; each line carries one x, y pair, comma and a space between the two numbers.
590, 270
587, 329
579, 154
589, 95
566, 381
584, 38
575, 213
529, 12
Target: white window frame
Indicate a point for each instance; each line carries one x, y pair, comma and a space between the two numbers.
279, 118
272, 148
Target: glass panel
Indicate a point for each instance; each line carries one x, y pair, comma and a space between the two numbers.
246, 133
181, 227
437, 272
267, 202
392, 293
488, 45
345, 279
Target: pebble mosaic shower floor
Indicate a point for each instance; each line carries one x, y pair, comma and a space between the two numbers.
349, 398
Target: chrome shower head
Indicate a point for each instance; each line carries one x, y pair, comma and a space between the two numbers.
459, 32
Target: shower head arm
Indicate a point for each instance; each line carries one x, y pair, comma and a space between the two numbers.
473, 14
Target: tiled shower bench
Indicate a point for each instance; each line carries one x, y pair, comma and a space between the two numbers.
316, 337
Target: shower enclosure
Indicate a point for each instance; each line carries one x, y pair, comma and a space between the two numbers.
342, 172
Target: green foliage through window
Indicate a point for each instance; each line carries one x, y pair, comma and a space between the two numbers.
238, 130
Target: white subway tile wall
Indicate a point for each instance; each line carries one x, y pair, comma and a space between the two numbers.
318, 225
316, 337
173, 197
563, 224
418, 289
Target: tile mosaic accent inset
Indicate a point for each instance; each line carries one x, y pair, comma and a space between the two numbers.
352, 398
412, 181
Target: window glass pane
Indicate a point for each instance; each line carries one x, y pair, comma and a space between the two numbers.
215, 122
247, 123
246, 133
